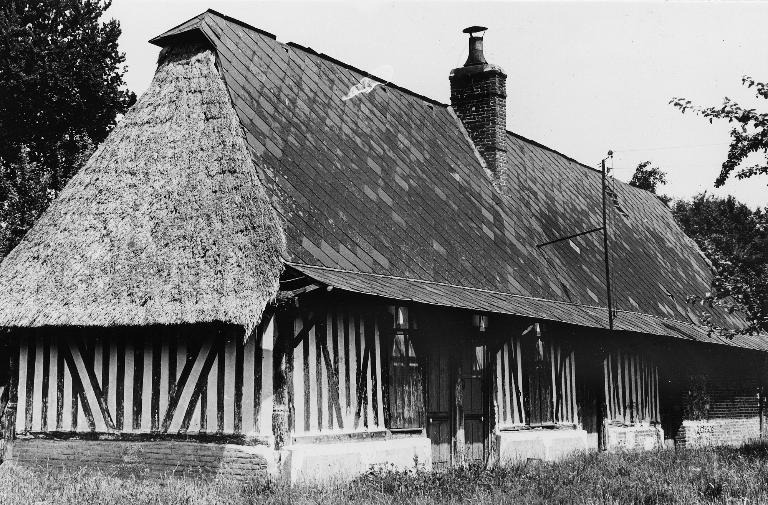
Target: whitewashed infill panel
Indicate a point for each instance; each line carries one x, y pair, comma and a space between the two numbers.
337, 376
631, 386
144, 383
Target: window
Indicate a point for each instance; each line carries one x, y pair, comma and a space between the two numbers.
406, 400
480, 322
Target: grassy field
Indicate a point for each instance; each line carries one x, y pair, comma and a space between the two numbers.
684, 477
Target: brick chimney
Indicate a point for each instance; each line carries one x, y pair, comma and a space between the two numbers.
479, 98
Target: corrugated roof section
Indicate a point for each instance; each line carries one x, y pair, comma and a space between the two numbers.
507, 303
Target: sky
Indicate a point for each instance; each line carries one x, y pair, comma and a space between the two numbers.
583, 78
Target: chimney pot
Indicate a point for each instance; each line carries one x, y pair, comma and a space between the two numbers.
476, 56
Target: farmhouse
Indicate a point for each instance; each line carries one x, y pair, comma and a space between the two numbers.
279, 263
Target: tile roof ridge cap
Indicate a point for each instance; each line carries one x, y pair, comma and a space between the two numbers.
163, 35
240, 23
343, 64
550, 149
574, 160
307, 49
166, 34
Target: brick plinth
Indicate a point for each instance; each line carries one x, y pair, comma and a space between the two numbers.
151, 458
733, 432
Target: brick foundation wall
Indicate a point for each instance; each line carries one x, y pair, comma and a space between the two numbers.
722, 407
721, 396
151, 458
732, 432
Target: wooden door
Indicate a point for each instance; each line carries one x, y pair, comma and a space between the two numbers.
539, 373
474, 403
441, 380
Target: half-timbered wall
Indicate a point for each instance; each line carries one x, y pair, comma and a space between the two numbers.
631, 387
156, 380
512, 391
563, 366
509, 385
336, 373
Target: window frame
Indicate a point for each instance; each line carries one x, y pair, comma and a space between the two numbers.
406, 328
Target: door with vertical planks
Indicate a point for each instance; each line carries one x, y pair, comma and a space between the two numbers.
539, 375
440, 394
474, 402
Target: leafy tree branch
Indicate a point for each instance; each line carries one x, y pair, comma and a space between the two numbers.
748, 136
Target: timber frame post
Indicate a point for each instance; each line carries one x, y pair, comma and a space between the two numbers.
386, 336
762, 390
602, 407
494, 343
9, 413
282, 368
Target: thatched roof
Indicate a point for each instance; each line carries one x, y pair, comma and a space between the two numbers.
166, 223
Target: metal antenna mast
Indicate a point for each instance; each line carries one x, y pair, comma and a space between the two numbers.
604, 229
605, 245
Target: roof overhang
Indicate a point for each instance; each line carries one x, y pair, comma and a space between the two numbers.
482, 300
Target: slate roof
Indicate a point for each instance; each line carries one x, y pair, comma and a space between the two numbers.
384, 193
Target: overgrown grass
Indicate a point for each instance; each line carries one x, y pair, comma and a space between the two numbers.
683, 477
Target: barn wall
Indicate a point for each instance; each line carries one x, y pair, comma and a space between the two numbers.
722, 402
192, 380
632, 400
510, 389
514, 440
631, 388
510, 411
336, 397
336, 372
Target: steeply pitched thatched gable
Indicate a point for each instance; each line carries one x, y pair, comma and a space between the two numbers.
166, 223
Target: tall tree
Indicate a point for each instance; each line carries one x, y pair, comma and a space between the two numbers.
748, 136
649, 178
735, 239
61, 79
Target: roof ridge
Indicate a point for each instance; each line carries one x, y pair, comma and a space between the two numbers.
552, 150
368, 74
242, 23
157, 40
311, 51
382, 81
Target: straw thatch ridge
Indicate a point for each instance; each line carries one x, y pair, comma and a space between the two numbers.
167, 222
